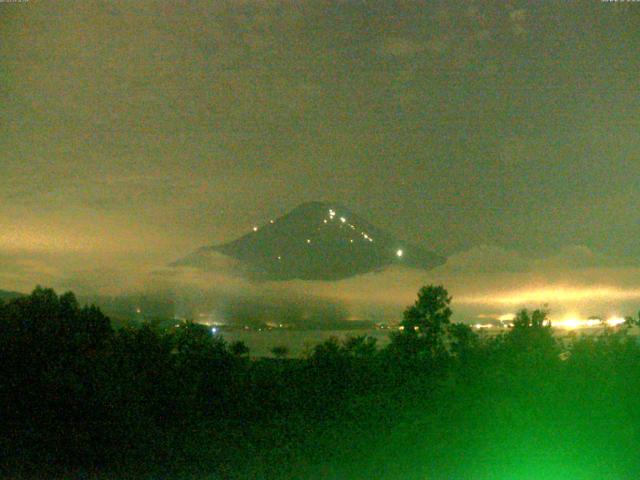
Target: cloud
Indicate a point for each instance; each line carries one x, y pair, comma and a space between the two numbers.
23, 272
399, 47
138, 131
556, 294
487, 259
486, 280
575, 257
495, 259
518, 18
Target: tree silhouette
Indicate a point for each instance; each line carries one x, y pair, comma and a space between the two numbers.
239, 348
462, 339
425, 322
362, 346
280, 351
532, 335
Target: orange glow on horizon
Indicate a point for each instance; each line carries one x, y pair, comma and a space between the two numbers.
552, 294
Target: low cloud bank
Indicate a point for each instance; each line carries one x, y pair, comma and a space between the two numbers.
485, 281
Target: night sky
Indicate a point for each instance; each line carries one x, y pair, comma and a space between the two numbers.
501, 134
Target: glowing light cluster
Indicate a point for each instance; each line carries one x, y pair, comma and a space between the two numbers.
399, 253
615, 321
571, 322
343, 220
574, 323
480, 326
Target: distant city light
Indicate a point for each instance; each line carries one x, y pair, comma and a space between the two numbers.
615, 321
570, 323
399, 252
573, 323
482, 325
214, 330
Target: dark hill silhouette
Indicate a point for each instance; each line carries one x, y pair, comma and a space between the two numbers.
6, 296
316, 241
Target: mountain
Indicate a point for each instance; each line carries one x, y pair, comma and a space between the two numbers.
316, 241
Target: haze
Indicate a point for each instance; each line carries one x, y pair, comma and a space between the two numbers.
502, 135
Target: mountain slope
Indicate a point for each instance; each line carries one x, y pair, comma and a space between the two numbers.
317, 241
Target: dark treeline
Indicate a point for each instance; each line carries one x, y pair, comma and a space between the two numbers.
79, 399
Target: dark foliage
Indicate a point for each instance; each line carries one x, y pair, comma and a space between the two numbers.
80, 400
